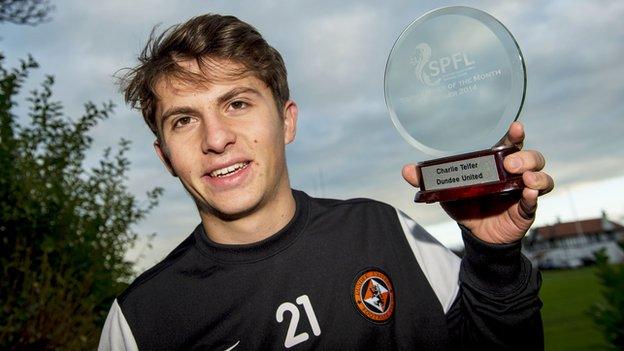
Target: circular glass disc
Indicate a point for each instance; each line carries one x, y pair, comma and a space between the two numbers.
454, 81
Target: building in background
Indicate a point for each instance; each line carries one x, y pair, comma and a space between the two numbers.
573, 244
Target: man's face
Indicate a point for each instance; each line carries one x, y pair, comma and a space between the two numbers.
225, 140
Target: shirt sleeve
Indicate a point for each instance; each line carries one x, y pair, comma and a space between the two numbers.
497, 307
116, 334
490, 297
439, 264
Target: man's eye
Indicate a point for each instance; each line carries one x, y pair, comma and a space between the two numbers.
182, 121
237, 105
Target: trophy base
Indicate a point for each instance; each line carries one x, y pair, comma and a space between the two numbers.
467, 176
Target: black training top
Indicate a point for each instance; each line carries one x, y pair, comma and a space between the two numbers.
348, 275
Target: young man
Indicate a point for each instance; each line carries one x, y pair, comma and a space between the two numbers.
272, 268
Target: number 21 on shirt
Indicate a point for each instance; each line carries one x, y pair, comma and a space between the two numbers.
291, 338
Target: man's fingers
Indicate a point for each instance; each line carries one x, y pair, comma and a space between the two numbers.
410, 174
528, 204
515, 135
523, 161
539, 181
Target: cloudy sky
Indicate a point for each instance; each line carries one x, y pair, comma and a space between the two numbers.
335, 52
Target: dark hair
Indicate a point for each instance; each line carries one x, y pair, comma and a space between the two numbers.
205, 39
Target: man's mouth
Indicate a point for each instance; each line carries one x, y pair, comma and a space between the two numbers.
225, 171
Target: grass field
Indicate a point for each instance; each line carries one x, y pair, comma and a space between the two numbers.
567, 295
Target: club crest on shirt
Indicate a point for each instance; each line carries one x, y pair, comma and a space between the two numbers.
373, 295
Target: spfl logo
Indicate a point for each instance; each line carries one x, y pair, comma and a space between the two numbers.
430, 71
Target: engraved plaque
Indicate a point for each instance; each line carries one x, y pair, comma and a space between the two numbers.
460, 173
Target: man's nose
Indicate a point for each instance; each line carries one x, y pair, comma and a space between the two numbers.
217, 136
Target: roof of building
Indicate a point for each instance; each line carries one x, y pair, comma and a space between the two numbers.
587, 227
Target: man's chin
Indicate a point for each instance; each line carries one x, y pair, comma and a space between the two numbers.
230, 211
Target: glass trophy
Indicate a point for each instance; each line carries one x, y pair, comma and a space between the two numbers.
454, 81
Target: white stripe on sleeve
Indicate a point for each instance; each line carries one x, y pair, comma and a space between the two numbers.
116, 334
440, 265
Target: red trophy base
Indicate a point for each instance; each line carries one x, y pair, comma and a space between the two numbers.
465, 176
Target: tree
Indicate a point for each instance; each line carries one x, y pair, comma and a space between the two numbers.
31, 12
64, 229
608, 314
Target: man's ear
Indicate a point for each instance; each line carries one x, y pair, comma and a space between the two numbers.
163, 155
290, 121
